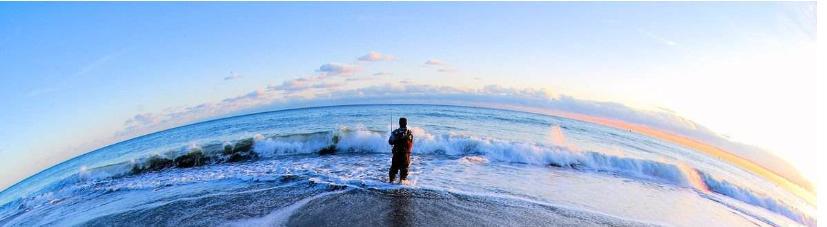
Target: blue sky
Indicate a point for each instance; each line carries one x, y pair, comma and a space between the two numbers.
77, 76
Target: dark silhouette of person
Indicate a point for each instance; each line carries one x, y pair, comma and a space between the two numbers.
402, 141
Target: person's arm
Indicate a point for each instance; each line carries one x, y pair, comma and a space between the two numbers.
391, 139
411, 138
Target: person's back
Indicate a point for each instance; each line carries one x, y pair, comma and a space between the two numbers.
402, 141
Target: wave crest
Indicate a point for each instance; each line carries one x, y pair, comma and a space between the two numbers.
481, 150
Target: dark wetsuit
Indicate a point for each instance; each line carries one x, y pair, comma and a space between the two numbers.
402, 141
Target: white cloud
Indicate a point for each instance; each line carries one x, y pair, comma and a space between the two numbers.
294, 85
359, 78
442, 67
312, 82
376, 56
326, 88
494, 89
434, 62
142, 119
150, 122
233, 76
329, 88
333, 69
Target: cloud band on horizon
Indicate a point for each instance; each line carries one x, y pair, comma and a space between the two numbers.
338, 83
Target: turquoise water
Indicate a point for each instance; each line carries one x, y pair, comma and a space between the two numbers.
522, 168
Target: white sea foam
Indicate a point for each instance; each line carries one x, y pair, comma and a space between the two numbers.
492, 149
281, 216
728, 189
483, 150
475, 150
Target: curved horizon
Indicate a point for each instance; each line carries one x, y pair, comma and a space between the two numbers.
712, 98
803, 191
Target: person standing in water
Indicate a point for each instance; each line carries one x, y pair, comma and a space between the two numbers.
402, 141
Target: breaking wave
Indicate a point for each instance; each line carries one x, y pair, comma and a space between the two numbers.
730, 190
350, 140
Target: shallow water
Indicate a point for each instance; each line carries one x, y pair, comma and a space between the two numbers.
471, 166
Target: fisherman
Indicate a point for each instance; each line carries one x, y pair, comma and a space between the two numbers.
402, 141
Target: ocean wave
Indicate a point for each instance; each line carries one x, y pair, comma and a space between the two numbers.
517, 152
730, 190
483, 150
356, 140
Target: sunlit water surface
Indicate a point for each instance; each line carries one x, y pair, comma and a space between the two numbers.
471, 166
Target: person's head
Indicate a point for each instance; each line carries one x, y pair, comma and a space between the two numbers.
403, 122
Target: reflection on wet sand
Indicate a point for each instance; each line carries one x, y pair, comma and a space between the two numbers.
421, 207
401, 209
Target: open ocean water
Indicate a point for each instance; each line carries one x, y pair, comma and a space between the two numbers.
328, 166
